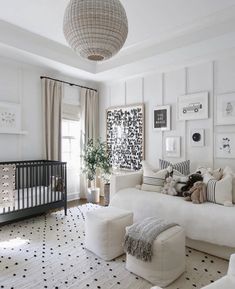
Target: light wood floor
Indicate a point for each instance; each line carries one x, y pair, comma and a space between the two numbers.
76, 203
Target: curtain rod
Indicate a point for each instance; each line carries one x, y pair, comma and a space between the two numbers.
69, 83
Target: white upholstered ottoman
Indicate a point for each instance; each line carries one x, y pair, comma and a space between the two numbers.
168, 261
105, 230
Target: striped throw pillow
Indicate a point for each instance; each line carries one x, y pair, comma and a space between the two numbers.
182, 167
219, 192
153, 180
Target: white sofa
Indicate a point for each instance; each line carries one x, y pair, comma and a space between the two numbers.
227, 282
209, 227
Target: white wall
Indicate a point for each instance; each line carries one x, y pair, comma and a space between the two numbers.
216, 77
20, 83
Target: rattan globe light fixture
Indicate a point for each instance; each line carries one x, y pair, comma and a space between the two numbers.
95, 29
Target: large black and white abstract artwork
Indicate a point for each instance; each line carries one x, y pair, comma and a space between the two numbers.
125, 136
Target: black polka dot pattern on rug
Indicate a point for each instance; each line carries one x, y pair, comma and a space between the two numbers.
48, 252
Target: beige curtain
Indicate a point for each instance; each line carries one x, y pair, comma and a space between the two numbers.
52, 95
89, 125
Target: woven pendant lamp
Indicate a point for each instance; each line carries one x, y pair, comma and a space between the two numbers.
95, 29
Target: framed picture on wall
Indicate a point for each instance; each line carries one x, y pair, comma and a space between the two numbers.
10, 117
162, 118
125, 136
197, 137
193, 106
225, 145
173, 146
225, 109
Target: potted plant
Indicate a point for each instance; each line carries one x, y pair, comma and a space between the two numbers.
94, 155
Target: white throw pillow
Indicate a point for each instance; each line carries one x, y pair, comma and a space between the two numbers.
227, 171
219, 192
153, 180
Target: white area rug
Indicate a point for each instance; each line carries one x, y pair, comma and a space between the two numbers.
47, 252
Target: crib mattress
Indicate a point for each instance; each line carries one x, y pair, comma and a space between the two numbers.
31, 197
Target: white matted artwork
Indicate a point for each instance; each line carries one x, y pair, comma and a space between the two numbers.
10, 117
225, 145
197, 137
162, 118
193, 106
173, 148
226, 109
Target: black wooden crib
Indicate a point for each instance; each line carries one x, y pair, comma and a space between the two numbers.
39, 187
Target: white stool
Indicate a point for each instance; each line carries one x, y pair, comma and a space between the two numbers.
168, 261
105, 230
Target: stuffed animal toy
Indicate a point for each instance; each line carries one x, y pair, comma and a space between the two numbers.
169, 187
193, 178
197, 194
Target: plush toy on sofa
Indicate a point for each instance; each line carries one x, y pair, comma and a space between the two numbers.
197, 194
169, 187
193, 178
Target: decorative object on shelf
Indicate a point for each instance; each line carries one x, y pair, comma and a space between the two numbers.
193, 106
95, 160
225, 145
173, 148
197, 137
106, 194
226, 109
162, 118
10, 117
95, 29
125, 136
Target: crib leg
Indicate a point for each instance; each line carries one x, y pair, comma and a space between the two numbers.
65, 209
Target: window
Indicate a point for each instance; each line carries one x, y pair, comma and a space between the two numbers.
71, 154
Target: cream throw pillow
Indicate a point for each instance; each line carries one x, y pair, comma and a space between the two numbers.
153, 180
219, 192
229, 171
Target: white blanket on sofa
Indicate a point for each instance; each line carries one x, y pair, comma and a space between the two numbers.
205, 222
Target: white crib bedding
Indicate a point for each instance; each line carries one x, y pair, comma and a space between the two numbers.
31, 197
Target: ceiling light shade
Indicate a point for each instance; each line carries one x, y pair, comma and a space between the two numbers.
95, 29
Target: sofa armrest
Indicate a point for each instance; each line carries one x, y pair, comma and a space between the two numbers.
231, 268
125, 180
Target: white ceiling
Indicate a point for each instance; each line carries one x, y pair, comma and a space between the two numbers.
156, 27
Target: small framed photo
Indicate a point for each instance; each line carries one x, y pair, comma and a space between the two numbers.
162, 118
226, 109
225, 145
10, 117
197, 137
173, 146
193, 106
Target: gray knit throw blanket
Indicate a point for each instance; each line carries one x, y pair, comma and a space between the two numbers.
140, 237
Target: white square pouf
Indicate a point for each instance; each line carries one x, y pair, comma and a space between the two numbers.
168, 261
105, 230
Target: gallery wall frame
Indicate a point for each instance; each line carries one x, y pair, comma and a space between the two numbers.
225, 145
193, 106
225, 109
173, 146
125, 135
197, 137
162, 118
10, 117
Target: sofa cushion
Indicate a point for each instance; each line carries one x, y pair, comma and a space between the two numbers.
206, 222
182, 167
218, 192
152, 180
227, 171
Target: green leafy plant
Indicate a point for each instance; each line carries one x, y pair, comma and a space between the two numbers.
95, 157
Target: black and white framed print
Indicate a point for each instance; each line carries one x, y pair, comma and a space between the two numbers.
125, 136
197, 137
193, 106
162, 118
226, 109
225, 145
